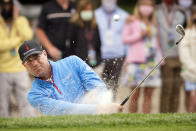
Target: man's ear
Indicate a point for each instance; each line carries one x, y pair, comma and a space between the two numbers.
44, 52
23, 64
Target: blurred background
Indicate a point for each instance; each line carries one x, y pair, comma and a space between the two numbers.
167, 91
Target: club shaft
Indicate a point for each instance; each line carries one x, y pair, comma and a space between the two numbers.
133, 91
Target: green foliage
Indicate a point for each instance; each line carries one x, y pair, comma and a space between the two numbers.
128, 8
115, 121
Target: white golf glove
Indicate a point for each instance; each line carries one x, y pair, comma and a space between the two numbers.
109, 108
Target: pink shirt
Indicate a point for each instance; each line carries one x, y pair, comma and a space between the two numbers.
132, 35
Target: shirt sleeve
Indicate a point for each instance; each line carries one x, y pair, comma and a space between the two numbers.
49, 106
89, 78
132, 32
23, 28
185, 53
42, 19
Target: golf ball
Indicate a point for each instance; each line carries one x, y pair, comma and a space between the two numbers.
116, 17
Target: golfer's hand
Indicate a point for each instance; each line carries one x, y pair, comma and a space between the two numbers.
109, 108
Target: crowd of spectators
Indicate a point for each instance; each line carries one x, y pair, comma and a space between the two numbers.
126, 47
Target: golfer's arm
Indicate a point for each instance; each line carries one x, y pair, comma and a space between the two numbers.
23, 28
51, 106
88, 77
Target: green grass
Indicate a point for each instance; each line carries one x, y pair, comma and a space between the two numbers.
123, 122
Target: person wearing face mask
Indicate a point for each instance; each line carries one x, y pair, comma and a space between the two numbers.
168, 15
112, 49
185, 9
84, 34
187, 53
14, 29
144, 53
186, 5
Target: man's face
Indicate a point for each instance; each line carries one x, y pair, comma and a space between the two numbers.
7, 11
109, 5
37, 64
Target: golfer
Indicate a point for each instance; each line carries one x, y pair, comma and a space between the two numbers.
59, 86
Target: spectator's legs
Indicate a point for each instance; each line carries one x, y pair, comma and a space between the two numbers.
133, 101
111, 73
192, 101
175, 94
5, 89
22, 82
187, 100
167, 83
147, 99
171, 85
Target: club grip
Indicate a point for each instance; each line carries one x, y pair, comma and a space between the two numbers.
125, 100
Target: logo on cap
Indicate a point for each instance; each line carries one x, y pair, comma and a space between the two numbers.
27, 47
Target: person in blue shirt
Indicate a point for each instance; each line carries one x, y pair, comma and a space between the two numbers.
111, 20
59, 86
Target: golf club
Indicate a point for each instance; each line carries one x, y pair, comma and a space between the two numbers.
181, 31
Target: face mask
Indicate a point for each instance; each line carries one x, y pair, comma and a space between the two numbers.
146, 10
109, 5
86, 15
169, 2
185, 3
7, 14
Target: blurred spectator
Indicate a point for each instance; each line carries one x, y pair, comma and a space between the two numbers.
187, 53
185, 7
112, 48
168, 16
84, 34
52, 28
144, 53
14, 29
